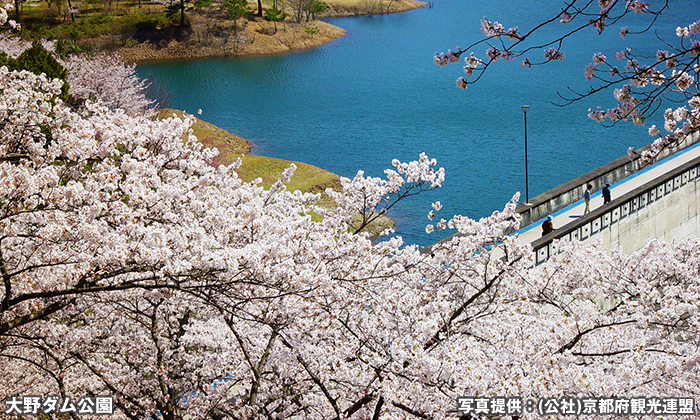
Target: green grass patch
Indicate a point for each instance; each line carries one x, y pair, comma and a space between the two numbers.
307, 178
230, 146
92, 21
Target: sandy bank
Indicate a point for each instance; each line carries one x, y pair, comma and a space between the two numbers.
339, 8
256, 38
220, 38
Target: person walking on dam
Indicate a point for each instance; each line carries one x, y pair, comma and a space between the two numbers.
587, 199
606, 193
547, 226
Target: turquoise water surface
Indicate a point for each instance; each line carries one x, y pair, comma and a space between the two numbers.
375, 95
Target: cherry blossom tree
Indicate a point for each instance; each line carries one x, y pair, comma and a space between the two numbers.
65, 184
100, 77
107, 78
76, 186
4, 18
132, 267
641, 84
13, 46
99, 202
372, 197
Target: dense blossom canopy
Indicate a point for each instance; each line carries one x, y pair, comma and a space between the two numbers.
131, 267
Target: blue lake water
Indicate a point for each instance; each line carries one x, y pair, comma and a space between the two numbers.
375, 94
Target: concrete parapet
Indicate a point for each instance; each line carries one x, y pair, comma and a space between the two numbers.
647, 225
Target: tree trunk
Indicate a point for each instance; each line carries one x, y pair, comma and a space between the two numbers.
259, 12
71, 11
389, 6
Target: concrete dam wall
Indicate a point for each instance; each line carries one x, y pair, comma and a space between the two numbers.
665, 208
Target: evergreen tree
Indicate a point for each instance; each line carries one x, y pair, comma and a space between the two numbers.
38, 60
236, 9
275, 15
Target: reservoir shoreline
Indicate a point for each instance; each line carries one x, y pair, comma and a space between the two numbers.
253, 37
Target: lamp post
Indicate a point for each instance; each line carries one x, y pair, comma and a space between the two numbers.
527, 192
